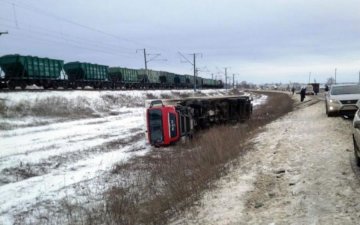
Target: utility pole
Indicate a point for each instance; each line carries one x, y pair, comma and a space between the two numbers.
148, 60
1, 33
193, 64
226, 76
146, 71
233, 81
335, 75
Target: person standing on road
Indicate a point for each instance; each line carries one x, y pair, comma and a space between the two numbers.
293, 90
302, 93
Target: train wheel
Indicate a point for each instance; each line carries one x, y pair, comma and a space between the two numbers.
55, 86
23, 85
11, 85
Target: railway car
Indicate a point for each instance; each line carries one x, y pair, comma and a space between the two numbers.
209, 83
168, 80
199, 82
124, 77
21, 71
189, 80
150, 79
183, 83
86, 74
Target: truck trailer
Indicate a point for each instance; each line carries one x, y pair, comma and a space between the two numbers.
168, 121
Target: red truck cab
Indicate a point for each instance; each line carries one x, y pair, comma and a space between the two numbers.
162, 125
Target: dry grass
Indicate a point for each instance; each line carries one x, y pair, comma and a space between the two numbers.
160, 185
167, 181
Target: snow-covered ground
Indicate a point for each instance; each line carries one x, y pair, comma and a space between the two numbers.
53, 141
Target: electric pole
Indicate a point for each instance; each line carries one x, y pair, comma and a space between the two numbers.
148, 60
233, 81
335, 75
226, 76
193, 64
146, 72
1, 33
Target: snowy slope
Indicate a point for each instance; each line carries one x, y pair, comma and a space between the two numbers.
51, 141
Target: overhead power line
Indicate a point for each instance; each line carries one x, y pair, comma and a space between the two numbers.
146, 60
63, 19
193, 64
65, 38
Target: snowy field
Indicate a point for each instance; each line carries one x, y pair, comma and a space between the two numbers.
52, 142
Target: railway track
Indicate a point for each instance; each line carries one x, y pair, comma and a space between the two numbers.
64, 90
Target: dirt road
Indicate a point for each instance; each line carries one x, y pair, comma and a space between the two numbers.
299, 172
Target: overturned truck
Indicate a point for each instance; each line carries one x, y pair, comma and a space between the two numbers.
170, 120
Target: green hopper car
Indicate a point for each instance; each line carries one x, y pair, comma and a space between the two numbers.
152, 76
87, 74
124, 77
29, 70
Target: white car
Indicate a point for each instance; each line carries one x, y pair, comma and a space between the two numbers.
342, 99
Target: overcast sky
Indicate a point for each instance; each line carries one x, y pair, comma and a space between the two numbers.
259, 40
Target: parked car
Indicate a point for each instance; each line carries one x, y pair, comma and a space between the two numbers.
356, 137
342, 99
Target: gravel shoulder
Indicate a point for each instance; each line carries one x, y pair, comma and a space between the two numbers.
298, 172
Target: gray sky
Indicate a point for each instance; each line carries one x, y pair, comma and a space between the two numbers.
260, 40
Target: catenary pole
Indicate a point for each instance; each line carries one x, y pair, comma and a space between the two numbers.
146, 60
233, 86
146, 70
335, 75
194, 64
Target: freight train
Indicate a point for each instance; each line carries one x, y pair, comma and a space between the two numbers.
21, 71
169, 120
